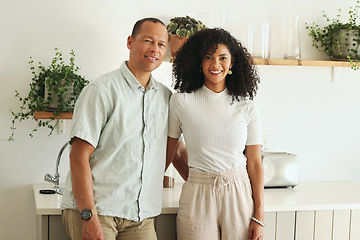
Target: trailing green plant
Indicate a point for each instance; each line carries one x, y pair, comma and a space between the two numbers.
54, 89
339, 40
184, 26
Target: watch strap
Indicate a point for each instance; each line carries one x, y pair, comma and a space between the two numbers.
94, 212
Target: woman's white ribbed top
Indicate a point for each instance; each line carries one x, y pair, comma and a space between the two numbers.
215, 131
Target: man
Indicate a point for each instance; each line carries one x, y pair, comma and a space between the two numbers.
118, 137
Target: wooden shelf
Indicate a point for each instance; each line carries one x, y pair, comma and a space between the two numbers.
292, 62
295, 62
48, 115
257, 61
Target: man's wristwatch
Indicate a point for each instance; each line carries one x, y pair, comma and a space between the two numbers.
86, 214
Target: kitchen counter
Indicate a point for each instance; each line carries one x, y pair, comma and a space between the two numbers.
307, 196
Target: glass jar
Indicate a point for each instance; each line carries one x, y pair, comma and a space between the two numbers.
292, 50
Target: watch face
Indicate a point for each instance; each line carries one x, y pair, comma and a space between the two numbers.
86, 214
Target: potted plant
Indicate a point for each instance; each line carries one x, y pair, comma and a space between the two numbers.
55, 89
340, 41
180, 29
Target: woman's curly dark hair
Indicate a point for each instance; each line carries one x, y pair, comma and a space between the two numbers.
244, 80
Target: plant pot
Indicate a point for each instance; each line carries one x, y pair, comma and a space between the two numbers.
346, 44
54, 101
175, 43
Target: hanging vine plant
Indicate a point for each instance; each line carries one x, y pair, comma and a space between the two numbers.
340, 41
54, 89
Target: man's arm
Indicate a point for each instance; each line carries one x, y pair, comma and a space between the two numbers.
180, 160
82, 186
177, 154
170, 151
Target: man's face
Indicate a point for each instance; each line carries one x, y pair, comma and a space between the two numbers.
148, 47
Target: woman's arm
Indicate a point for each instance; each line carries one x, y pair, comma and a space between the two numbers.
256, 175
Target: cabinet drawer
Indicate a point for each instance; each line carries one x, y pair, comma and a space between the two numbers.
270, 226
304, 225
285, 225
341, 225
323, 225
355, 223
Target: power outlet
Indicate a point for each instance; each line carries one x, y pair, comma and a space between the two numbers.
265, 145
61, 127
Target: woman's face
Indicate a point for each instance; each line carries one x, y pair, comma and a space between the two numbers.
215, 67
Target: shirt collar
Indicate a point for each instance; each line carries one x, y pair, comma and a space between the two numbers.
133, 82
209, 92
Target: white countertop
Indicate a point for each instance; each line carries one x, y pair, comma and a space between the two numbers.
307, 196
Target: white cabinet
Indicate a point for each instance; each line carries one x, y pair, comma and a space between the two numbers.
313, 225
270, 226
300, 213
51, 227
304, 225
285, 224
341, 224
57, 229
323, 226
355, 225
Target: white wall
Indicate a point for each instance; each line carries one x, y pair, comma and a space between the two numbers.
303, 112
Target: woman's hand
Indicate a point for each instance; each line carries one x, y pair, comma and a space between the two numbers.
256, 232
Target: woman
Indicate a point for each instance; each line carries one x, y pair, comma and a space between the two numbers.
223, 195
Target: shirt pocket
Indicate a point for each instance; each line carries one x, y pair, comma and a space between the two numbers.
161, 126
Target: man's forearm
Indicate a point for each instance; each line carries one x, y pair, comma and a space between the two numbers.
181, 165
180, 160
81, 176
82, 184
170, 151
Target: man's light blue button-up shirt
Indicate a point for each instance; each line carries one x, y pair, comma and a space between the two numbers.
127, 125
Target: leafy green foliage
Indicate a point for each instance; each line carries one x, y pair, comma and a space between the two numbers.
184, 26
59, 84
337, 39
